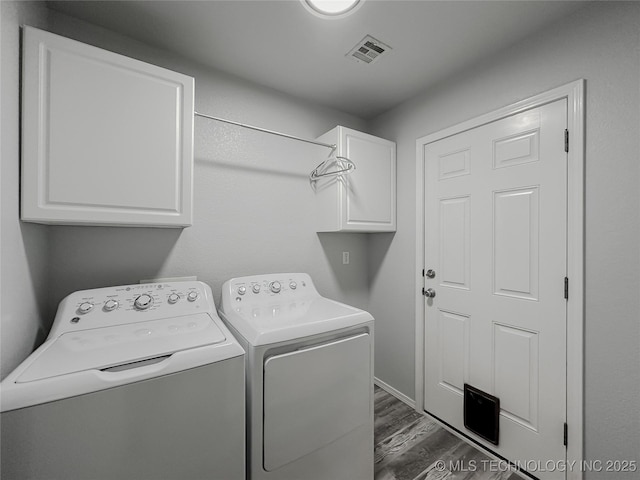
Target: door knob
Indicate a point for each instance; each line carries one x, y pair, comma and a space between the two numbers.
429, 293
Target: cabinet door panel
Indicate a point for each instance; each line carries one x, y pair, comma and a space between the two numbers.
106, 139
365, 199
371, 187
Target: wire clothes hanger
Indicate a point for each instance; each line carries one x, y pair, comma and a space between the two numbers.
322, 170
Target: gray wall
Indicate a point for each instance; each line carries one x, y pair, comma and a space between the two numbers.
24, 248
601, 44
252, 200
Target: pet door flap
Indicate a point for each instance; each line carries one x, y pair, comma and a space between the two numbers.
482, 413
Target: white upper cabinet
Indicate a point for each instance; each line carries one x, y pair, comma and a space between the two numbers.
106, 139
365, 199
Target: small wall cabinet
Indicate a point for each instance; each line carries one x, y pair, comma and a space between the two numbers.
365, 199
106, 139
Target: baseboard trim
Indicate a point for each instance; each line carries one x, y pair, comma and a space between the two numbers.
392, 391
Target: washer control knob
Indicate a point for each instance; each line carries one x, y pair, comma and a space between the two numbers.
293, 285
110, 305
255, 288
143, 302
242, 290
275, 287
85, 307
173, 298
192, 296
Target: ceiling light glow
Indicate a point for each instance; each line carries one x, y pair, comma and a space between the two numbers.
332, 8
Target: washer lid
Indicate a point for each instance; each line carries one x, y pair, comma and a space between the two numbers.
108, 347
271, 322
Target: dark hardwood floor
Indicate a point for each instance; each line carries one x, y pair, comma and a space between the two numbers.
411, 446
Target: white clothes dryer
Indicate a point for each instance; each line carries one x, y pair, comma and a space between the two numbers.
133, 382
309, 379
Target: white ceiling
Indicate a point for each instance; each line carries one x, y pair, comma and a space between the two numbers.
281, 45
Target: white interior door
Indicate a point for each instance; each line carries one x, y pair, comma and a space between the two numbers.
496, 237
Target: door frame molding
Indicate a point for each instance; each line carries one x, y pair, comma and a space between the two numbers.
574, 93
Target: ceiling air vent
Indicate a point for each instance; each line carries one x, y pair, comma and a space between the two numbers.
368, 50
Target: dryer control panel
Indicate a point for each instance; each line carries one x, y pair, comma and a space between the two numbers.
104, 307
264, 288
278, 307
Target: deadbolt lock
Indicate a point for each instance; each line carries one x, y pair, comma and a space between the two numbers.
431, 273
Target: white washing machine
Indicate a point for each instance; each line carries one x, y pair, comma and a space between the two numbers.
133, 382
309, 379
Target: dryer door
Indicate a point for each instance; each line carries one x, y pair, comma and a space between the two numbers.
314, 396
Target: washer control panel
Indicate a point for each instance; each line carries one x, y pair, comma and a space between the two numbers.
259, 288
109, 306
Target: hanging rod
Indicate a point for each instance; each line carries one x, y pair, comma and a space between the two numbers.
317, 172
260, 129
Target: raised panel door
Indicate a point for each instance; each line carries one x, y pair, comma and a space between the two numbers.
106, 139
495, 234
365, 199
370, 188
